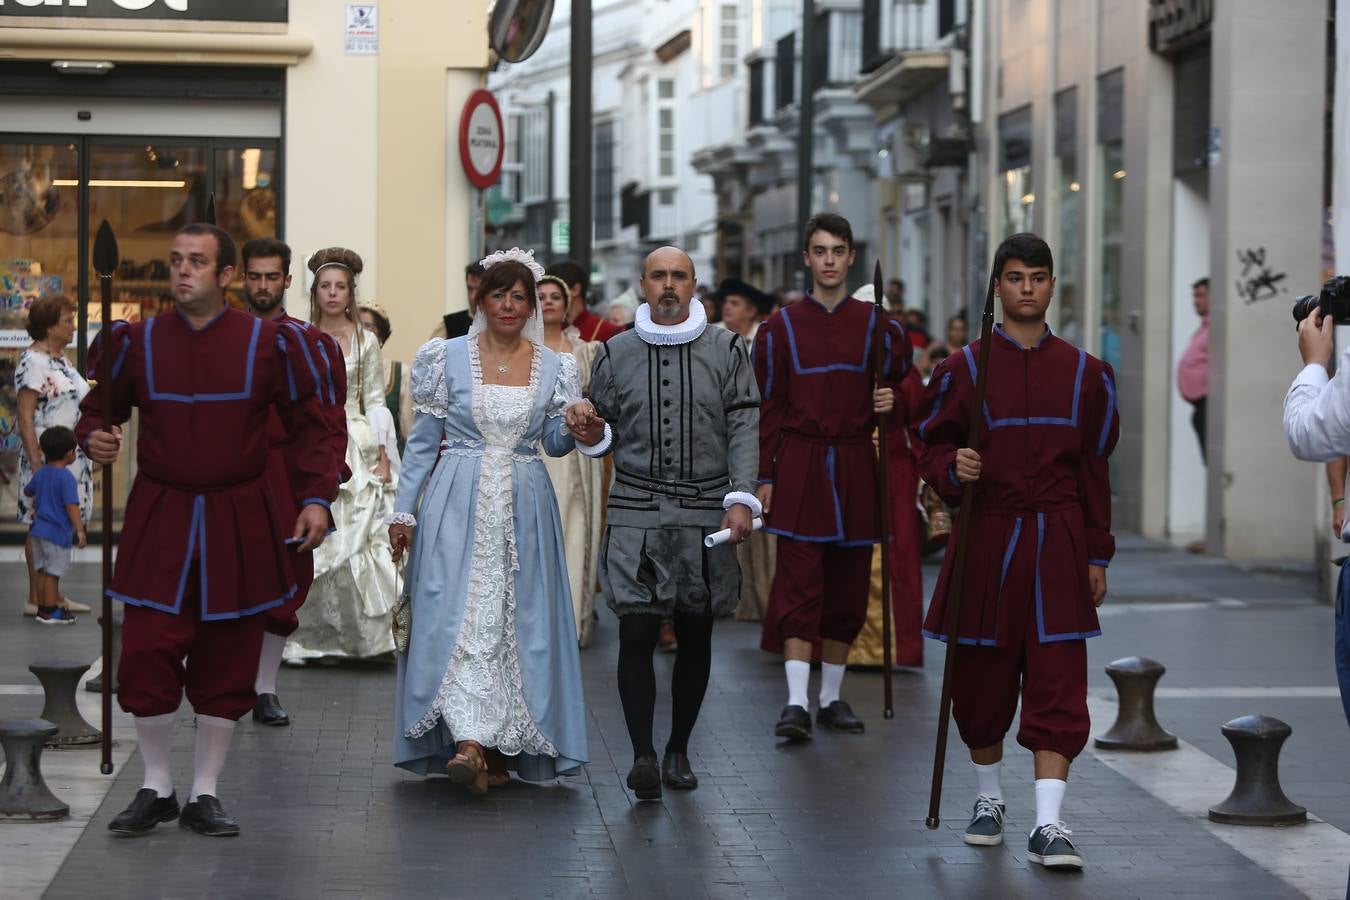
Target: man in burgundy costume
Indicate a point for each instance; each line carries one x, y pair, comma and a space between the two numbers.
267, 267
817, 465
206, 548
1039, 542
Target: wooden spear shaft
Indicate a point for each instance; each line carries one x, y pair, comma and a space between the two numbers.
954, 587
105, 264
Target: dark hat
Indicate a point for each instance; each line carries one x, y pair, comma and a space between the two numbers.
760, 300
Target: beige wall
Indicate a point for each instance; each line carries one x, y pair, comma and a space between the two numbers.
330, 146
373, 154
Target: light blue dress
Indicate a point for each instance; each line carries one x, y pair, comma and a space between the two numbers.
492, 653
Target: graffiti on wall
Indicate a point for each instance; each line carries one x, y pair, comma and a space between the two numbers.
1258, 281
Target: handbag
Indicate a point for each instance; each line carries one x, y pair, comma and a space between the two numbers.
401, 618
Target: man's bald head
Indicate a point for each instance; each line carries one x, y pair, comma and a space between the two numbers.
668, 284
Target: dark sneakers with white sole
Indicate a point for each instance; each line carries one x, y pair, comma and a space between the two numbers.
1050, 846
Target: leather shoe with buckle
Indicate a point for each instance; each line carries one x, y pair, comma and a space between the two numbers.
147, 810
676, 773
269, 711
206, 816
838, 716
644, 779
794, 723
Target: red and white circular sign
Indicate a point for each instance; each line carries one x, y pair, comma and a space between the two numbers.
481, 139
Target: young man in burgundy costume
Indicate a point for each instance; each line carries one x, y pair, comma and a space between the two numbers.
267, 268
1039, 543
817, 465
206, 548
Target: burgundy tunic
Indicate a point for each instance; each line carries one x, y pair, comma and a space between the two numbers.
1050, 424
205, 397
814, 369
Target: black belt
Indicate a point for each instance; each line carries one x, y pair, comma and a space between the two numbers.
690, 489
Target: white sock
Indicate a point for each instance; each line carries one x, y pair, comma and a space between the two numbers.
1049, 796
831, 677
213, 745
268, 663
152, 735
988, 779
798, 677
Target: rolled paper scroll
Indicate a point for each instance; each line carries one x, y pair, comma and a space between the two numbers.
721, 537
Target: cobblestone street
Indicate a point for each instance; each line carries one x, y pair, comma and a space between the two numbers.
325, 814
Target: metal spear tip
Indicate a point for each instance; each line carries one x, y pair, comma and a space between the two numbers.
105, 251
876, 284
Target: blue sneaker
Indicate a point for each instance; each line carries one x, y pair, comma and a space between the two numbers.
1050, 846
986, 823
55, 615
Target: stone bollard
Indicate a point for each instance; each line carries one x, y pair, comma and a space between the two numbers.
59, 683
1257, 798
1136, 727
23, 793
95, 685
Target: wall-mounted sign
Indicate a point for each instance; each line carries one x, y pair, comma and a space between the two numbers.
363, 29
480, 139
186, 10
1174, 24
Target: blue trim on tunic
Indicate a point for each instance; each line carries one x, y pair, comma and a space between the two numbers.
937, 404
1110, 413
290, 371
835, 367
245, 394
1040, 608
834, 493
768, 385
309, 358
1071, 422
328, 374
1099, 562
1008, 554
121, 355
968, 642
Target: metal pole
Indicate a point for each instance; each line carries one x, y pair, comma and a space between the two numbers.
805, 141
579, 136
551, 203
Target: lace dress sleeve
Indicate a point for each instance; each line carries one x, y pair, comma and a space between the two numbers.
430, 393
567, 387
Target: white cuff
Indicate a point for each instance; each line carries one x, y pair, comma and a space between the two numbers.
599, 449
401, 519
1314, 374
745, 498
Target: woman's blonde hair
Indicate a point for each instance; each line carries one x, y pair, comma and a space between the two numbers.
350, 261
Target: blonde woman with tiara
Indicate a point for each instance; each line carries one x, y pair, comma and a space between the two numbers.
347, 613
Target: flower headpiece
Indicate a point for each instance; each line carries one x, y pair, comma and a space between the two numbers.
515, 254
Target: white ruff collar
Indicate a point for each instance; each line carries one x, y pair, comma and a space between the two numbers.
682, 333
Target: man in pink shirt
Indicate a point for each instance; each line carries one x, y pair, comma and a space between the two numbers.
1193, 369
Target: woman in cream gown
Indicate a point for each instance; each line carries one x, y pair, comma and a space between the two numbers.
348, 609
578, 480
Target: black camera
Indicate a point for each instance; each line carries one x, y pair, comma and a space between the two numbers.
1334, 301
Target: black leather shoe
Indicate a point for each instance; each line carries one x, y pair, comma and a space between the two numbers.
146, 811
676, 774
644, 779
838, 716
794, 723
206, 816
268, 711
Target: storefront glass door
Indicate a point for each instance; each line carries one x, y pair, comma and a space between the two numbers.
54, 192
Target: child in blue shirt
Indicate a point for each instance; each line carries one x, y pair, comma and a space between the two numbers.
56, 522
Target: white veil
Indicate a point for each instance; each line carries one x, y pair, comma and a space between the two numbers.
534, 327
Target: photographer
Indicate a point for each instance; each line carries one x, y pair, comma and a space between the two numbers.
1317, 426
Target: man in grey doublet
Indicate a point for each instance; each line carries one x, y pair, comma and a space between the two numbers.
679, 405
685, 419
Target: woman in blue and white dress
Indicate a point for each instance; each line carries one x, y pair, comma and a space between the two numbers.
491, 678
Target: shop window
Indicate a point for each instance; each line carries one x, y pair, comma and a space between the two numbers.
757, 93
1019, 195
1069, 204
1110, 223
665, 89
